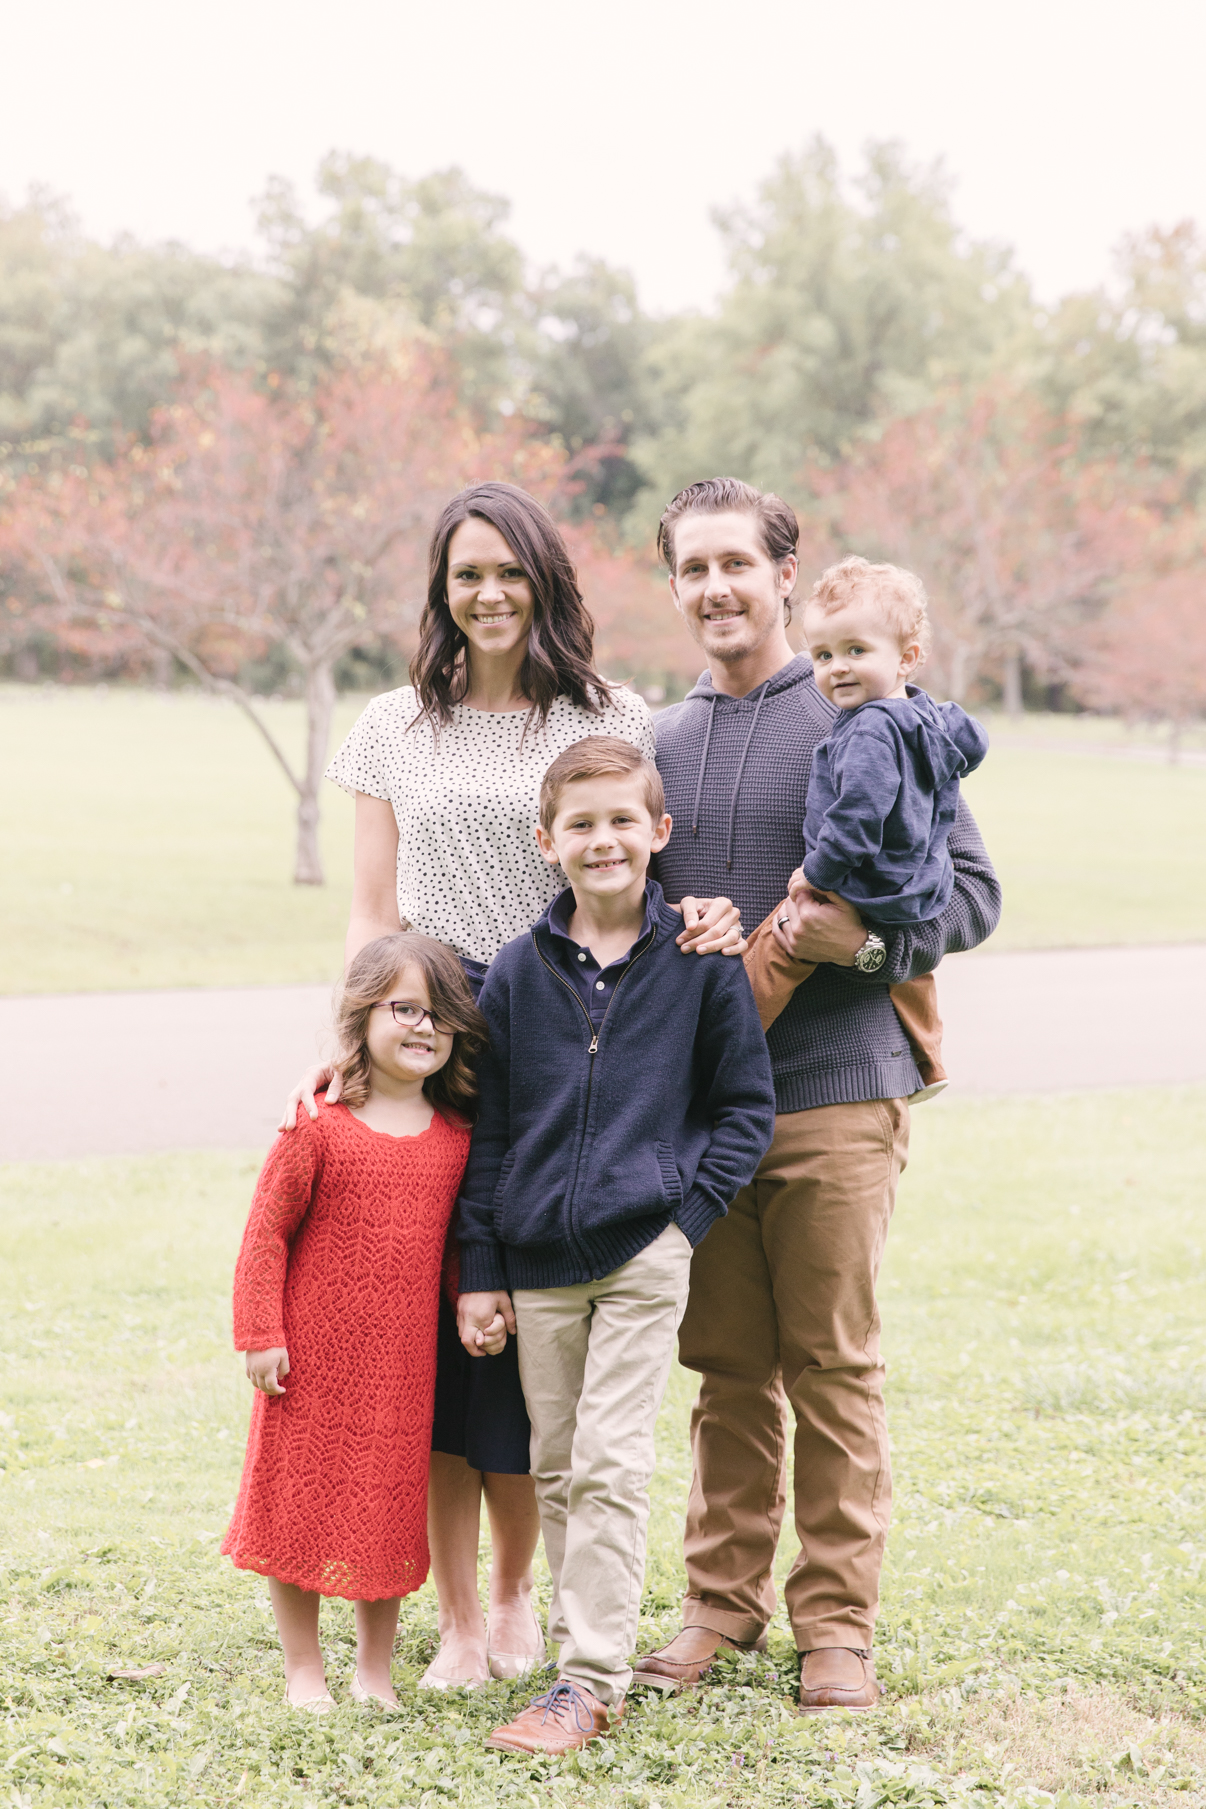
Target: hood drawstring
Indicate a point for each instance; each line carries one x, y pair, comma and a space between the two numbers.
740, 770
702, 769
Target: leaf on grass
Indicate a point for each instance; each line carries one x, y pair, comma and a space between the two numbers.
136, 1676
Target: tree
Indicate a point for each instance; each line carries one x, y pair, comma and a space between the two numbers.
841, 310
639, 635
264, 519
1146, 658
1128, 364
95, 332
431, 249
1014, 538
589, 377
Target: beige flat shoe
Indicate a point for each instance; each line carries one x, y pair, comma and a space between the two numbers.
508, 1666
313, 1705
358, 1693
431, 1680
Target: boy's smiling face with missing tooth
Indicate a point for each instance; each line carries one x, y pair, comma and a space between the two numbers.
603, 836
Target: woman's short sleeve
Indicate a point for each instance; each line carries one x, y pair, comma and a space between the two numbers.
635, 721
363, 762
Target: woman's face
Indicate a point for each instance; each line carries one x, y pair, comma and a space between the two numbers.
488, 590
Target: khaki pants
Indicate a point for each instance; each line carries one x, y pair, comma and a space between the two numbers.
782, 1310
594, 1360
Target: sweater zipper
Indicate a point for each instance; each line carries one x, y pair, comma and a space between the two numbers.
590, 1075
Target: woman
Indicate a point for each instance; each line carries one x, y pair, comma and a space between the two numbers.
446, 774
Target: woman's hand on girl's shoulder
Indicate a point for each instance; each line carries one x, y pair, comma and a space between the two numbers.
303, 1094
710, 925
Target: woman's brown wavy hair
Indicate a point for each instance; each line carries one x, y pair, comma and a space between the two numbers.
560, 657
370, 976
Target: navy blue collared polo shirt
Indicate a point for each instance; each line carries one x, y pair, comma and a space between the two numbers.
593, 983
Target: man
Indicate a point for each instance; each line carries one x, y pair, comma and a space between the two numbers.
782, 1301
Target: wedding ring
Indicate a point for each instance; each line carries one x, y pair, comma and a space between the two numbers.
782, 922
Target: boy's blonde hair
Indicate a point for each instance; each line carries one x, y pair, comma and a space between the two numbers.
899, 594
596, 757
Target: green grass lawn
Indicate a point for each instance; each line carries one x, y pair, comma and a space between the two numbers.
1044, 1624
148, 842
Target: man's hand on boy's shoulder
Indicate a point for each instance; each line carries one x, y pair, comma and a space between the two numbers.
483, 1321
709, 925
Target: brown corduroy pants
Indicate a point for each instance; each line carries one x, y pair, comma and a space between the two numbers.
782, 1312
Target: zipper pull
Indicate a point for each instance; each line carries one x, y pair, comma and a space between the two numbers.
594, 1044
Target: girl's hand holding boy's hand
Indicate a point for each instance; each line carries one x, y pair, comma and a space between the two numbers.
483, 1321
266, 1367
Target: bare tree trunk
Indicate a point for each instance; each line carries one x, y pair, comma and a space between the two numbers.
958, 664
1011, 684
320, 704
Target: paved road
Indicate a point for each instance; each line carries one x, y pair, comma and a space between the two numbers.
209, 1069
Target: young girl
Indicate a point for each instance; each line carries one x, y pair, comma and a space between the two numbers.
335, 1304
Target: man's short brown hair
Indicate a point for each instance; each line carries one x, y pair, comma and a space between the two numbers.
597, 757
777, 523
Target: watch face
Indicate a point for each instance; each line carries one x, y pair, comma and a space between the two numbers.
871, 958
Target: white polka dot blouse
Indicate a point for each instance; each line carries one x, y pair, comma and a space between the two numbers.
466, 803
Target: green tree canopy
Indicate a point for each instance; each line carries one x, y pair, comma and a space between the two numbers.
843, 307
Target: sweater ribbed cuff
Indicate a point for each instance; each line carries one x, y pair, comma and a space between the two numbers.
255, 1337
696, 1216
482, 1269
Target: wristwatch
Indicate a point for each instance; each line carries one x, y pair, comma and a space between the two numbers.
871, 957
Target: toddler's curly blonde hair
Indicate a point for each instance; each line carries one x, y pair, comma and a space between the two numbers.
899, 595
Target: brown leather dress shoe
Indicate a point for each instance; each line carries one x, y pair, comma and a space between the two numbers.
838, 1677
565, 1719
686, 1659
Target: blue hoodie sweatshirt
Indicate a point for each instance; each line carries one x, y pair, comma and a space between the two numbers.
881, 805
590, 1142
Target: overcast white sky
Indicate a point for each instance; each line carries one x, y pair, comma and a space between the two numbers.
614, 128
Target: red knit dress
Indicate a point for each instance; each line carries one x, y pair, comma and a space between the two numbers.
340, 1265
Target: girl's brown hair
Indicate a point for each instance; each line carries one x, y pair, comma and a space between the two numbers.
560, 652
453, 1088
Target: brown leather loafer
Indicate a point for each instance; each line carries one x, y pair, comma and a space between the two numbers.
686, 1659
565, 1719
837, 1677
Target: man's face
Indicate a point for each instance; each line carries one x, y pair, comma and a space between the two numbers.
728, 589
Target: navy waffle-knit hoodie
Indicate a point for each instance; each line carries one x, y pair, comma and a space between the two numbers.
881, 805
736, 772
589, 1143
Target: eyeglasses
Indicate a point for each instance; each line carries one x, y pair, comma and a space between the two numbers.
407, 1015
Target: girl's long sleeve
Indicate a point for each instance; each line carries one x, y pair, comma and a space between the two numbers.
282, 1198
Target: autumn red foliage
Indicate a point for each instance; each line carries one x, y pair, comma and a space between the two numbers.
1016, 540
1145, 659
263, 517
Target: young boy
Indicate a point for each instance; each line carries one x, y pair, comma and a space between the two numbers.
884, 785
625, 1099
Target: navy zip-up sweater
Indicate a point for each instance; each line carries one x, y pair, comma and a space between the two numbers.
736, 773
590, 1142
882, 799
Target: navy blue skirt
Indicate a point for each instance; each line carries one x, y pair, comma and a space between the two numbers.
480, 1413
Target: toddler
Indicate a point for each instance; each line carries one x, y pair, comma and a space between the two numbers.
335, 1300
884, 785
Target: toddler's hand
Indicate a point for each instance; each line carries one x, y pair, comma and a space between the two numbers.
799, 886
265, 1367
493, 1339
483, 1321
